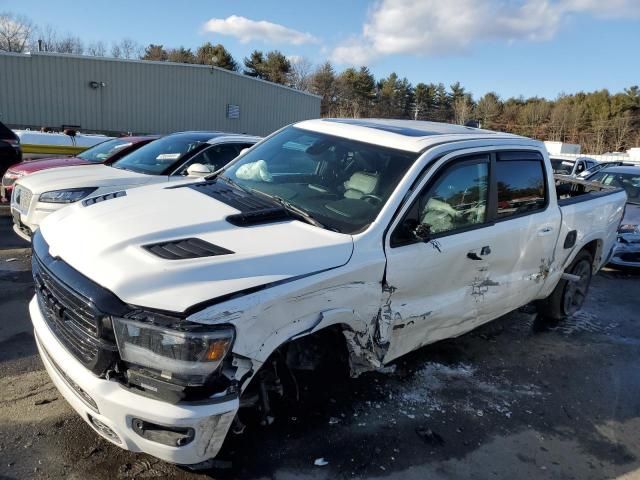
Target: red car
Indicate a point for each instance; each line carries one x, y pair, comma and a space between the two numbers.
105, 152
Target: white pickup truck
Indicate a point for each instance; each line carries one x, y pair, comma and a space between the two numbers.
158, 309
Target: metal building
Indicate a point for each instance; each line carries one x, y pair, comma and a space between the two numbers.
115, 96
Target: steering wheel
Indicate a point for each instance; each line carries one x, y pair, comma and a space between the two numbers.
376, 199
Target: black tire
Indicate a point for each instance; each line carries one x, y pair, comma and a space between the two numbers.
568, 297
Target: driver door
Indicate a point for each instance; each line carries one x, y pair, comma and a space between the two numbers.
436, 288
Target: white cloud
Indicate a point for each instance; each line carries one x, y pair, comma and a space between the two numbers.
247, 30
437, 27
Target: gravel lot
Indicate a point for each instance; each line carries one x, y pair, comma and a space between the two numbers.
514, 399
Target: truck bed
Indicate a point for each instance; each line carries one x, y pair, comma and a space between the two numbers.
570, 190
592, 211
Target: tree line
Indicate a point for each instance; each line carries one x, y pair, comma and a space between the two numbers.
600, 121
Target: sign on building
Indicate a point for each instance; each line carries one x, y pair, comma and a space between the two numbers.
233, 111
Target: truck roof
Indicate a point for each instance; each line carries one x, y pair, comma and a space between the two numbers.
409, 135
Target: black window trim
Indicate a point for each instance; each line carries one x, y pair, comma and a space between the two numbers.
494, 184
492, 202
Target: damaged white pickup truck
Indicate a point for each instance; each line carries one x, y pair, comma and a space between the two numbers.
161, 310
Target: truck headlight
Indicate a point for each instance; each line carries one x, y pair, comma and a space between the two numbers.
66, 196
629, 228
188, 353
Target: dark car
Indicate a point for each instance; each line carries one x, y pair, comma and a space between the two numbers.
10, 151
627, 251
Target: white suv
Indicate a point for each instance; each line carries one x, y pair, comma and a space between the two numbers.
169, 158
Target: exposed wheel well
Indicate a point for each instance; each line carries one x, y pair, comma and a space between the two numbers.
284, 377
594, 248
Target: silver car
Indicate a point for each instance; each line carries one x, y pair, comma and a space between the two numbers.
627, 250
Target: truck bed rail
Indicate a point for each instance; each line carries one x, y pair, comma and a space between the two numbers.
572, 190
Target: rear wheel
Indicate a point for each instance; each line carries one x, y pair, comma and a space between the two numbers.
569, 296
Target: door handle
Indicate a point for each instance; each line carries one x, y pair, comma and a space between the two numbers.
486, 250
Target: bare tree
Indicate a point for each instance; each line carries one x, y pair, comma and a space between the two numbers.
97, 49
300, 76
48, 38
130, 48
620, 131
70, 44
116, 51
462, 108
15, 32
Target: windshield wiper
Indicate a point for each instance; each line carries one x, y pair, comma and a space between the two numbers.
231, 182
297, 211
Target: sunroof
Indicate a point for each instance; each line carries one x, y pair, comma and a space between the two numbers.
409, 132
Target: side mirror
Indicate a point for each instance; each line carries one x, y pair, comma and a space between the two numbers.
198, 170
423, 232
419, 231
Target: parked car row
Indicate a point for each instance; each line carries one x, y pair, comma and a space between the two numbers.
627, 251
106, 152
111, 166
160, 311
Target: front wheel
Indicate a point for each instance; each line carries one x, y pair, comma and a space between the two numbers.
569, 296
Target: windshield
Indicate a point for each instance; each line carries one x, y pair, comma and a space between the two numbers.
562, 167
161, 156
105, 150
340, 183
629, 181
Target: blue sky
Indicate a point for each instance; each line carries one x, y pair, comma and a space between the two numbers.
513, 47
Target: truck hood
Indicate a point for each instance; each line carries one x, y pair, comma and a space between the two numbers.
104, 241
84, 176
31, 166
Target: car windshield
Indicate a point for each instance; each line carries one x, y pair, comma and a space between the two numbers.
629, 181
105, 150
339, 183
161, 156
562, 167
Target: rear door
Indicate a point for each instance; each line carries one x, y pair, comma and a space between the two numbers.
525, 230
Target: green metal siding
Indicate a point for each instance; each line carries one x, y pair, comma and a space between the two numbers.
44, 89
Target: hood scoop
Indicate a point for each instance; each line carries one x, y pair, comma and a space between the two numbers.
186, 248
254, 210
102, 198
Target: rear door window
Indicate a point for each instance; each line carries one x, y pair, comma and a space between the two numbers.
521, 182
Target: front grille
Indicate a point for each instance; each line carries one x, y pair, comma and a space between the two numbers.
72, 318
22, 198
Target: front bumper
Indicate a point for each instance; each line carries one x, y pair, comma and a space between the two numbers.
627, 251
115, 407
26, 223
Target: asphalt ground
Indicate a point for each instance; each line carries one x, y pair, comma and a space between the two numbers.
517, 398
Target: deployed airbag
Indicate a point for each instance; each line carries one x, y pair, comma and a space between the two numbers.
256, 171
